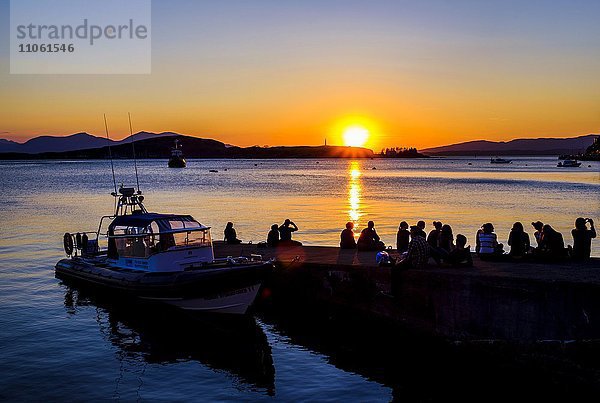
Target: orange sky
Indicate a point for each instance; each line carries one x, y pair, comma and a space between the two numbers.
424, 78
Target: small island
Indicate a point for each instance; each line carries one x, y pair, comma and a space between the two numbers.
402, 152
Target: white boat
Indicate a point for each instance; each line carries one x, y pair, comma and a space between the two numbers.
164, 258
568, 163
499, 161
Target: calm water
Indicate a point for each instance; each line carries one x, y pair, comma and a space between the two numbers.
57, 343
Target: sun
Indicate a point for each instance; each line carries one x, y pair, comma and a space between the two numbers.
355, 136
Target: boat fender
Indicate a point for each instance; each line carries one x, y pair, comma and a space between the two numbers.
68, 244
78, 240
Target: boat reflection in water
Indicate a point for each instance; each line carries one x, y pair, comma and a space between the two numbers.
164, 335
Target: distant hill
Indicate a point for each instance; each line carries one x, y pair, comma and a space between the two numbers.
538, 146
9, 145
77, 141
149, 145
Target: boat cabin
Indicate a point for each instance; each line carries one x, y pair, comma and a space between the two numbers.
159, 242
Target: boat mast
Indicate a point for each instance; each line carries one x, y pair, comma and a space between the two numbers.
112, 166
134, 159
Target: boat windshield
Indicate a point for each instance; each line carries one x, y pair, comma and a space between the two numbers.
160, 235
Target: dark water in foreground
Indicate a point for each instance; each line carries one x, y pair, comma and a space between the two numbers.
61, 343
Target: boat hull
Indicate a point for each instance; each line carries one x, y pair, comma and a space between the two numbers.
211, 289
177, 163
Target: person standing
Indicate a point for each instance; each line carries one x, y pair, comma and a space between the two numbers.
582, 238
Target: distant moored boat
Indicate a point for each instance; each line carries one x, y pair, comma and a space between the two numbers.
176, 160
499, 161
569, 164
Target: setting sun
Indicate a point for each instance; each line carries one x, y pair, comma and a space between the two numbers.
355, 136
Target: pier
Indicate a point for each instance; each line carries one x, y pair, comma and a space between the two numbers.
514, 301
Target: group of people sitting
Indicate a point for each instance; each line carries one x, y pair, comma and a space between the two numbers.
415, 246
279, 235
550, 243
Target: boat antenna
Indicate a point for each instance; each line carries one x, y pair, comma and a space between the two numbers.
112, 167
134, 159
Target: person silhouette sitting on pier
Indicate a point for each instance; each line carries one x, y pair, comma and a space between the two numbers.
418, 252
273, 236
347, 240
518, 240
402, 237
538, 225
285, 233
369, 240
421, 226
434, 234
461, 254
582, 238
487, 245
230, 235
552, 244
445, 240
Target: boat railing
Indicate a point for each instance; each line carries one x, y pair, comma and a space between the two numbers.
81, 243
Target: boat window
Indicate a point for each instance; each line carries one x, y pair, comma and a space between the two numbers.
192, 238
139, 247
176, 224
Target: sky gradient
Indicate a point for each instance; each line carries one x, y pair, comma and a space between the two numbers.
415, 73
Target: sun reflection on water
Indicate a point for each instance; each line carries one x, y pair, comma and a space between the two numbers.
354, 192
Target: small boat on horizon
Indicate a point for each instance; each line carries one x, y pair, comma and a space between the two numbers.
161, 258
499, 161
177, 160
568, 163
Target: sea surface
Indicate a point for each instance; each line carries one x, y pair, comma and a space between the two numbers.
57, 343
